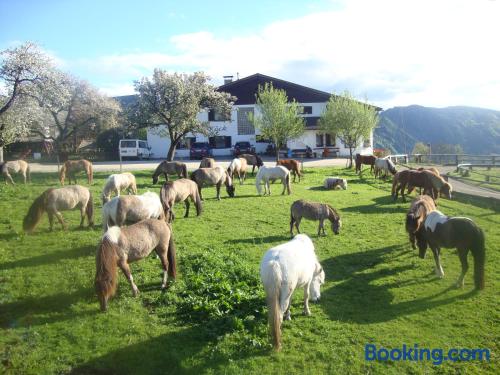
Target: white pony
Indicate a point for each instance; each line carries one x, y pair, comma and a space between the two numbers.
284, 268
272, 173
118, 182
335, 183
131, 209
384, 165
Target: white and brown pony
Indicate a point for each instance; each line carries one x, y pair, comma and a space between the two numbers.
118, 182
127, 209
238, 166
385, 166
335, 183
283, 269
454, 232
265, 174
55, 200
15, 166
70, 167
176, 191
121, 246
170, 168
213, 177
253, 160
207, 163
292, 165
420, 207
314, 211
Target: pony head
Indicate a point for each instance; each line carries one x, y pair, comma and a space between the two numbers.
422, 245
230, 190
155, 179
446, 190
105, 198
391, 166
336, 225
260, 163
317, 280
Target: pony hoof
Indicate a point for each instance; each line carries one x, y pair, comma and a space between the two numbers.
306, 312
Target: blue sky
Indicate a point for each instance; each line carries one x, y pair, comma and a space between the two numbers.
394, 52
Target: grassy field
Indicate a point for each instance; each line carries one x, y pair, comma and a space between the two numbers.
213, 318
477, 176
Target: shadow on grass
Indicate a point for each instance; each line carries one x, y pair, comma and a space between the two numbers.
259, 240
50, 258
483, 202
383, 204
348, 300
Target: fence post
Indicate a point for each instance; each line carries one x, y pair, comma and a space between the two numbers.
456, 159
120, 163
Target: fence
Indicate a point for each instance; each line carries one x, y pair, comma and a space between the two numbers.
448, 159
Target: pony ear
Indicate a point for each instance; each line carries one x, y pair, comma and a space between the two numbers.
318, 268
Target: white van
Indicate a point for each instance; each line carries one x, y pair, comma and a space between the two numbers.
135, 148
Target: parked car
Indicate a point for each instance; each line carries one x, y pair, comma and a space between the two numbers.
243, 148
134, 148
200, 150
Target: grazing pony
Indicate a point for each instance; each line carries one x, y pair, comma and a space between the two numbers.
292, 165
335, 183
314, 211
54, 200
384, 165
129, 209
70, 167
118, 182
454, 232
364, 159
120, 246
421, 206
429, 181
238, 166
272, 173
213, 177
179, 191
283, 268
207, 163
432, 169
170, 168
15, 166
253, 160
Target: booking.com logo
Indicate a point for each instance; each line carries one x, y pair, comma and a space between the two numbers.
414, 353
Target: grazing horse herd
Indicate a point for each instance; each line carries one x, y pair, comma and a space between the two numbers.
134, 225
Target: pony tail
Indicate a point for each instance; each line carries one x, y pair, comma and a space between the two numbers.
479, 259
91, 174
28, 173
171, 256
184, 171
288, 187
62, 174
106, 278
36, 211
272, 287
394, 184
89, 210
257, 181
197, 202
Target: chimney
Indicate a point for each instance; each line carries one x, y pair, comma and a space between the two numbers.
228, 79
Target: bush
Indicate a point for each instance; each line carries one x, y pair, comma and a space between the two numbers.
109, 141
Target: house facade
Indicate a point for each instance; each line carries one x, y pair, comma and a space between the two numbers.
238, 128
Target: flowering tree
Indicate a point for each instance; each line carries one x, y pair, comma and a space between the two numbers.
277, 118
174, 101
20, 69
349, 119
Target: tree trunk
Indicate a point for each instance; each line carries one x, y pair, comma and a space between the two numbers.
1, 154
350, 157
277, 154
171, 151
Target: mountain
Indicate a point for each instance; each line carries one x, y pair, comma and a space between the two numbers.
477, 130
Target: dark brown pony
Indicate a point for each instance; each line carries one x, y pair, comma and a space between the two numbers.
365, 159
454, 232
421, 206
253, 160
429, 181
70, 167
292, 165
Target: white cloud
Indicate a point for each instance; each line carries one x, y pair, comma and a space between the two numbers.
395, 52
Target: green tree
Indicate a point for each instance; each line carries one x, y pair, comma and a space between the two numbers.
276, 117
170, 104
349, 119
420, 148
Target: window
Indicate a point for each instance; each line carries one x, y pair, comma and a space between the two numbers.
367, 143
319, 140
307, 110
128, 144
143, 144
220, 141
186, 142
214, 115
245, 127
329, 140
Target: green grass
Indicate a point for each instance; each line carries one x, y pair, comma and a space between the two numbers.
213, 318
477, 176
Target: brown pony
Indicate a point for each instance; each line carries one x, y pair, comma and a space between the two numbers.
421, 206
170, 168
207, 163
432, 169
253, 160
292, 165
120, 246
365, 159
179, 191
54, 200
15, 166
429, 181
314, 211
70, 167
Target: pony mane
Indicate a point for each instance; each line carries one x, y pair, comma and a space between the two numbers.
335, 213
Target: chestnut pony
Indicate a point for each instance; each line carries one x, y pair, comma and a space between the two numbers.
292, 165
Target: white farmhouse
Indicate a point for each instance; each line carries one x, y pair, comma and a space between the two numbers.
239, 128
